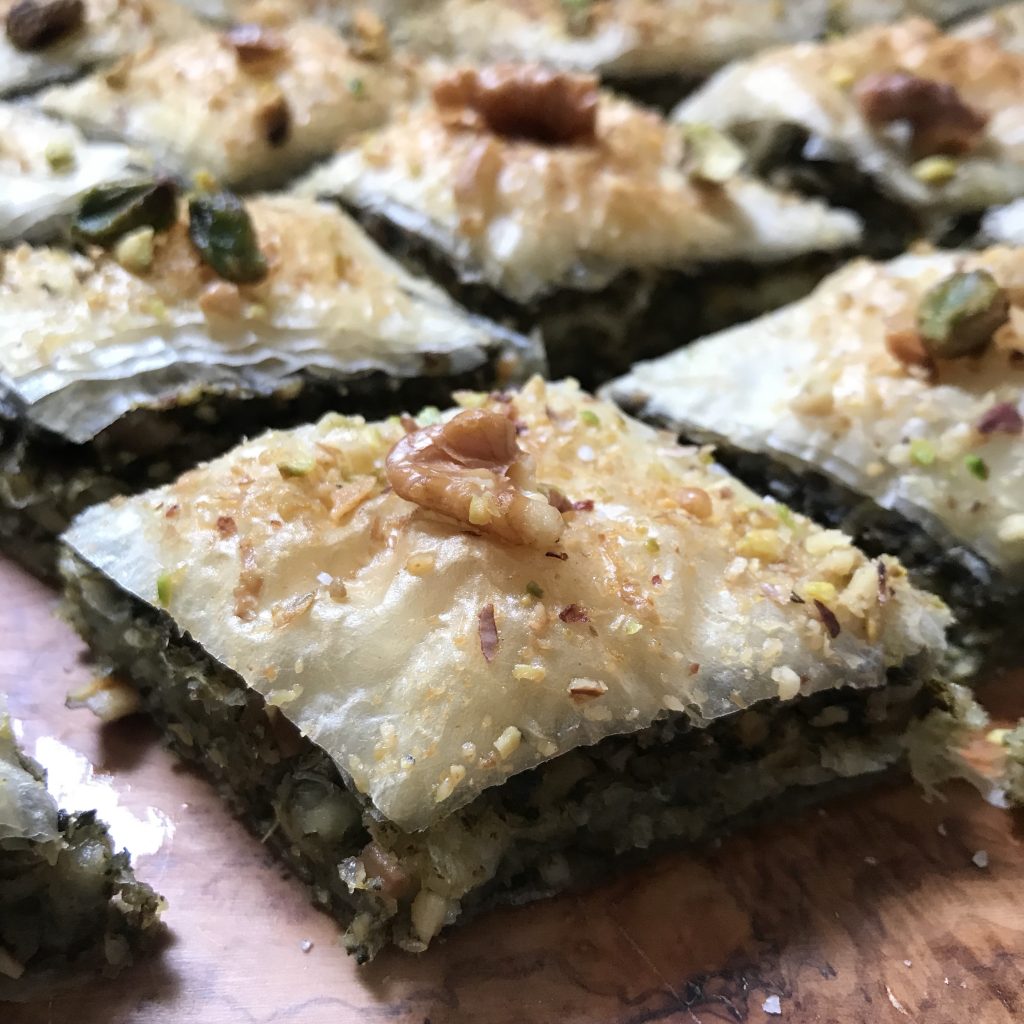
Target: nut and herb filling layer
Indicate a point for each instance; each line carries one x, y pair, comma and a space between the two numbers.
252, 105
933, 120
492, 171
557, 826
901, 381
47, 40
69, 905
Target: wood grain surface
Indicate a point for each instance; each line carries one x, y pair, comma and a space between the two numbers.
870, 910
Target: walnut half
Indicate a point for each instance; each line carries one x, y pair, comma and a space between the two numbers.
472, 470
523, 101
939, 118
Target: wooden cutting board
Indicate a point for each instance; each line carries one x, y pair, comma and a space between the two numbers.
872, 909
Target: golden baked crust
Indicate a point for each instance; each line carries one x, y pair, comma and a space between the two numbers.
251, 106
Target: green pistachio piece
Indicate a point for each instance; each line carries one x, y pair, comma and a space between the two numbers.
223, 234
110, 212
958, 316
36, 24
711, 156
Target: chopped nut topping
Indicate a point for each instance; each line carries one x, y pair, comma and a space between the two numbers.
907, 347
696, 501
472, 470
574, 613
1003, 418
285, 612
584, 689
525, 102
226, 526
250, 584
385, 866
257, 47
939, 118
958, 316
828, 618
370, 34
508, 742
36, 24
487, 629
275, 120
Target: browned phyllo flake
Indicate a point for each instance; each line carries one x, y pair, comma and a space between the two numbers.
479, 722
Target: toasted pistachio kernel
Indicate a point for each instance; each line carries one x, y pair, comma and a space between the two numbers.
767, 545
976, 466
935, 170
224, 236
508, 742
428, 416
818, 590
456, 773
631, 627
590, 418
785, 515
696, 501
711, 155
60, 156
922, 452
652, 545
534, 589
577, 16
296, 465
357, 87
842, 77
109, 212
164, 586
135, 251
36, 24
958, 316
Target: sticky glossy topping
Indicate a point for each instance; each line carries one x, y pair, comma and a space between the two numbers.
525, 102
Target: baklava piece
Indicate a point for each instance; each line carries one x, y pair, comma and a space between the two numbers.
476, 657
890, 403
70, 907
541, 201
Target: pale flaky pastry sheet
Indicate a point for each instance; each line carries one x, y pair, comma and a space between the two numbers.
432, 656
817, 385
100, 32
45, 167
27, 811
251, 105
1003, 26
928, 146
85, 338
529, 217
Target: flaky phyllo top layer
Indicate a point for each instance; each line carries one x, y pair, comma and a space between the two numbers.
936, 119
533, 180
251, 105
28, 814
902, 380
443, 602
85, 337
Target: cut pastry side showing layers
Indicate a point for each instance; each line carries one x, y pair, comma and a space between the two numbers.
917, 130
542, 201
188, 325
889, 403
470, 658
70, 906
